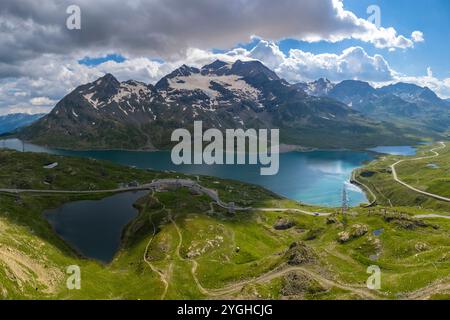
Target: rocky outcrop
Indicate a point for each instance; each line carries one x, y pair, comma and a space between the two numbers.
356, 231
283, 224
298, 284
405, 221
332, 220
421, 246
299, 253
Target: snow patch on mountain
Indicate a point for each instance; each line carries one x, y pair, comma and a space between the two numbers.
206, 83
90, 100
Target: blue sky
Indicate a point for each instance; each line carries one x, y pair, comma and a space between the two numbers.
95, 61
430, 16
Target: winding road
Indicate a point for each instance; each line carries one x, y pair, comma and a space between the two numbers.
213, 194
397, 179
159, 183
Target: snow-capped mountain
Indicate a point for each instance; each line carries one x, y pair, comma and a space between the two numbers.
318, 88
133, 115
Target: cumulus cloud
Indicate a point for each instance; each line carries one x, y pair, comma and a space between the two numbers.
42, 101
166, 28
298, 65
352, 63
417, 36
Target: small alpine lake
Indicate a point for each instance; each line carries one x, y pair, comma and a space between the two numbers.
94, 227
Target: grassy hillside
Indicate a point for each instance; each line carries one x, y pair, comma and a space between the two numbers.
429, 175
183, 247
434, 173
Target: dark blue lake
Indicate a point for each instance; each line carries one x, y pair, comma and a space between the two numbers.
94, 228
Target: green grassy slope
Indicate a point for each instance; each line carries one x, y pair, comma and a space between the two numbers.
377, 175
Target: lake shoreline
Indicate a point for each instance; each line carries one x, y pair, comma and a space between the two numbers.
283, 148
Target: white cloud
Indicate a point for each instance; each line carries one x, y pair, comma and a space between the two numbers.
440, 86
417, 36
298, 65
352, 63
166, 28
42, 101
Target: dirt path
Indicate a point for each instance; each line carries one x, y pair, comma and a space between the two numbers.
428, 216
163, 276
397, 179
316, 214
271, 275
194, 263
427, 292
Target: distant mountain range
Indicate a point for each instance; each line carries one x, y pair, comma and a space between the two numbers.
403, 103
108, 114
11, 122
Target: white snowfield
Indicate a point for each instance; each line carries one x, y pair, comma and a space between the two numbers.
204, 83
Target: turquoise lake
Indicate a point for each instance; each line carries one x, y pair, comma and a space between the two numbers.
316, 177
397, 151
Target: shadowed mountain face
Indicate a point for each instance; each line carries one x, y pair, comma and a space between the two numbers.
133, 115
11, 122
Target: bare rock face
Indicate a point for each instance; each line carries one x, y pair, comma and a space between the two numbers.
298, 284
356, 231
405, 221
283, 224
299, 253
343, 236
421, 246
332, 220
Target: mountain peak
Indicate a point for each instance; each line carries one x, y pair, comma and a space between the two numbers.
108, 78
183, 71
323, 81
217, 64
355, 86
218, 67
252, 68
411, 92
